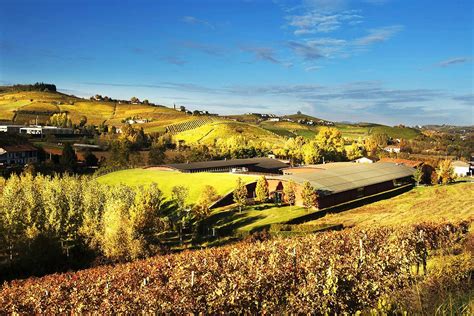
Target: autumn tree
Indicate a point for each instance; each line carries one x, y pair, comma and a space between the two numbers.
208, 196
156, 155
311, 153
240, 194
354, 151
289, 191
261, 191
331, 143
68, 157
418, 175
145, 220
308, 195
445, 171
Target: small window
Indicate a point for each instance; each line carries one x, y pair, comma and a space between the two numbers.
360, 192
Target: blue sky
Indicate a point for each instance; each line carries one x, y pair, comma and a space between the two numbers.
385, 61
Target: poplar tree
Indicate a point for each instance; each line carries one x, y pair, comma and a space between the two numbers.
261, 190
240, 194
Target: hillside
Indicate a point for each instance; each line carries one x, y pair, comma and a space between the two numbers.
434, 203
30, 106
207, 134
25, 106
349, 272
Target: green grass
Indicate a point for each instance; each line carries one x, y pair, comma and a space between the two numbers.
166, 180
437, 203
254, 217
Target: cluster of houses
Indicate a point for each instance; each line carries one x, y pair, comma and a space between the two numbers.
36, 130
18, 154
275, 118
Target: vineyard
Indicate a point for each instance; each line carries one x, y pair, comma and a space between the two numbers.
189, 125
327, 273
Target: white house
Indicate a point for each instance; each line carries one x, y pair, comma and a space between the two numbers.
363, 160
392, 149
461, 168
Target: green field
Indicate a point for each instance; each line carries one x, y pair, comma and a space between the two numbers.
255, 217
436, 203
166, 180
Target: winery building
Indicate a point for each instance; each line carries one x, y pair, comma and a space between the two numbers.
250, 165
336, 183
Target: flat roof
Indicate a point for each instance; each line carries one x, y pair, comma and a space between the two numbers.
264, 163
342, 176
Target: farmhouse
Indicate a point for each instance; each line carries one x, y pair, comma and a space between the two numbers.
18, 154
392, 149
250, 165
363, 160
461, 168
10, 129
337, 183
46, 130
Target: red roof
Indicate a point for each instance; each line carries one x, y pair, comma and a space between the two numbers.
19, 148
406, 162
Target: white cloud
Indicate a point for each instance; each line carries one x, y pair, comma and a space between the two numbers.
378, 35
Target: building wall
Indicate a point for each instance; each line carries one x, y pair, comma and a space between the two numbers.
461, 171
276, 188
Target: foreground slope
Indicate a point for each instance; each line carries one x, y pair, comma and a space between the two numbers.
327, 273
433, 203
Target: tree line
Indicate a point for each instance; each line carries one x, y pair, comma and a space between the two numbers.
53, 223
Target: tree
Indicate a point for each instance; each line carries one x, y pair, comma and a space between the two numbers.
134, 100
331, 143
262, 190
311, 153
156, 155
207, 197
83, 121
179, 194
445, 171
90, 159
418, 175
375, 142
240, 194
354, 151
68, 157
145, 220
309, 195
289, 190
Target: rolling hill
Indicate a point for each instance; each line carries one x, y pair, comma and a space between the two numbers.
22, 107
25, 106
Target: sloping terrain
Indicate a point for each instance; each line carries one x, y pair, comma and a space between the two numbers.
25, 106
435, 203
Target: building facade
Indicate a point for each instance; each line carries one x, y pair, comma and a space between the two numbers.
18, 155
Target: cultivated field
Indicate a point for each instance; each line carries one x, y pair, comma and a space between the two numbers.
166, 180
111, 113
207, 134
349, 272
